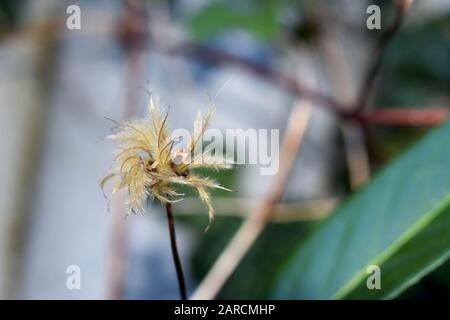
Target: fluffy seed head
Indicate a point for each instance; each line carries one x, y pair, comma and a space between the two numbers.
146, 164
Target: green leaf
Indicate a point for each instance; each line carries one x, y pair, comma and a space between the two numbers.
217, 18
400, 221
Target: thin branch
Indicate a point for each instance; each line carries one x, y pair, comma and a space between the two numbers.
403, 116
117, 250
383, 42
131, 25
193, 50
338, 69
283, 212
217, 57
356, 153
176, 258
252, 227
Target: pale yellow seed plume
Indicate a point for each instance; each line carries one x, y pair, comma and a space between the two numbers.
144, 165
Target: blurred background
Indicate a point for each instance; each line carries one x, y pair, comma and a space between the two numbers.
258, 61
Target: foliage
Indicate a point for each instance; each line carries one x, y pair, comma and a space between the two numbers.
399, 221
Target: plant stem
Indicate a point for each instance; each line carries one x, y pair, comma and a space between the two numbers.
176, 258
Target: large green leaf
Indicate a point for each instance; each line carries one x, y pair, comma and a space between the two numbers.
400, 221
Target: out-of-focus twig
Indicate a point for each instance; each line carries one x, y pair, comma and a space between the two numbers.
258, 218
338, 69
282, 212
401, 7
131, 31
35, 85
197, 51
353, 131
356, 154
217, 57
117, 250
403, 116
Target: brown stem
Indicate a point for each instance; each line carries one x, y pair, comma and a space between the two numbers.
130, 27
176, 258
402, 116
214, 56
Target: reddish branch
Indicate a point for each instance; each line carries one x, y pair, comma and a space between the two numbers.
406, 117
134, 34
424, 117
217, 57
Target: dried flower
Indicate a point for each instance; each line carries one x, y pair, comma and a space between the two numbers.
146, 165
